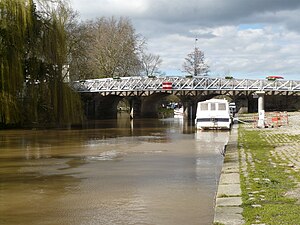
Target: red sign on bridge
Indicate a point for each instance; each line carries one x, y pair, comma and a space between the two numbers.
167, 85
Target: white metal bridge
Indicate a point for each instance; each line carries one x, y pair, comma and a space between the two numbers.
133, 84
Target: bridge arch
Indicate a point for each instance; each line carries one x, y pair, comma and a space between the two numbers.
149, 107
101, 107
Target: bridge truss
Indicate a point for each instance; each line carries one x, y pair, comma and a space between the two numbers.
144, 84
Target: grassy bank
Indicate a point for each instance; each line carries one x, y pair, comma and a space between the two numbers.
269, 179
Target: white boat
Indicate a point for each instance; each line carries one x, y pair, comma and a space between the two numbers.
213, 114
178, 111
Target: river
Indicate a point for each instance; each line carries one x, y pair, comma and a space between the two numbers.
142, 172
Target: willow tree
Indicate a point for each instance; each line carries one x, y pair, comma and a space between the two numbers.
57, 103
32, 61
15, 18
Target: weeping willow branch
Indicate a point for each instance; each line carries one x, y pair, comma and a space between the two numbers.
33, 53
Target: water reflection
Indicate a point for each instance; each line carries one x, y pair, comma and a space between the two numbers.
110, 172
206, 165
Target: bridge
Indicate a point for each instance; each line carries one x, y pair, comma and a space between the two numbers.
144, 92
134, 84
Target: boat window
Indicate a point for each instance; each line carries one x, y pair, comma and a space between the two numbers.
222, 106
212, 106
204, 106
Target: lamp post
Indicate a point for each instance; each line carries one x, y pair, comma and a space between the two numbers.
195, 58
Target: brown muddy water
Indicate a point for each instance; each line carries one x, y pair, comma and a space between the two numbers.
143, 172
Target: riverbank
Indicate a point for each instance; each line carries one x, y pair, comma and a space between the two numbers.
228, 203
268, 188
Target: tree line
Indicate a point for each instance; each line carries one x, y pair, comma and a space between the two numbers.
43, 45
110, 47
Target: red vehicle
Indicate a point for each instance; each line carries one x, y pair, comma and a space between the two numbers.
274, 77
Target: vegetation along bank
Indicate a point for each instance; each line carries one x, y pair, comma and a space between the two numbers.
269, 161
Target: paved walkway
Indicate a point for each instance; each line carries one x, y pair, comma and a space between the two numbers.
228, 198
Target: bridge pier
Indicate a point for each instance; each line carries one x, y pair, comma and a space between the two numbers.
261, 109
135, 107
189, 110
89, 105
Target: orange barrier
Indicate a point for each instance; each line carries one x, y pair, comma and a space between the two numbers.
277, 119
274, 119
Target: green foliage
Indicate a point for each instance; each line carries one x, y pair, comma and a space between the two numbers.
33, 53
9, 110
14, 22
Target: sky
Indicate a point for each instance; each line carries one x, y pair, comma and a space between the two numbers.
242, 38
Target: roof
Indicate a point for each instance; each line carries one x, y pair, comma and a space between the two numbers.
215, 100
275, 77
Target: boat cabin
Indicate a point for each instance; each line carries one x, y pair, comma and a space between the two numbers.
213, 114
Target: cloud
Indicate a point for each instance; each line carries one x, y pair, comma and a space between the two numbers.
90, 9
197, 12
216, 12
241, 52
248, 38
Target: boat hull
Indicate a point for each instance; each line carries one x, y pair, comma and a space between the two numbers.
213, 123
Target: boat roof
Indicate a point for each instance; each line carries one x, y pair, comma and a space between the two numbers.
215, 100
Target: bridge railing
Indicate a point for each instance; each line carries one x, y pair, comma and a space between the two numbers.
183, 83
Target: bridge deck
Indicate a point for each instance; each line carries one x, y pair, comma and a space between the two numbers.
129, 84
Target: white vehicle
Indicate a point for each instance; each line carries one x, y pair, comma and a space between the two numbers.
213, 114
232, 108
178, 111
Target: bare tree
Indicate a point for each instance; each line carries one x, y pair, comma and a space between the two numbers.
79, 43
150, 64
194, 63
114, 48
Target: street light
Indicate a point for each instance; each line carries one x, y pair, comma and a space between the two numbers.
195, 57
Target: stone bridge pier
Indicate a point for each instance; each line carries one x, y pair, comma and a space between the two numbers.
189, 107
189, 110
135, 107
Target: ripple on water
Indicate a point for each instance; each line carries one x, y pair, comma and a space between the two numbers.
105, 156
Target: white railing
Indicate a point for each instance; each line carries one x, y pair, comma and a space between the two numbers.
183, 83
